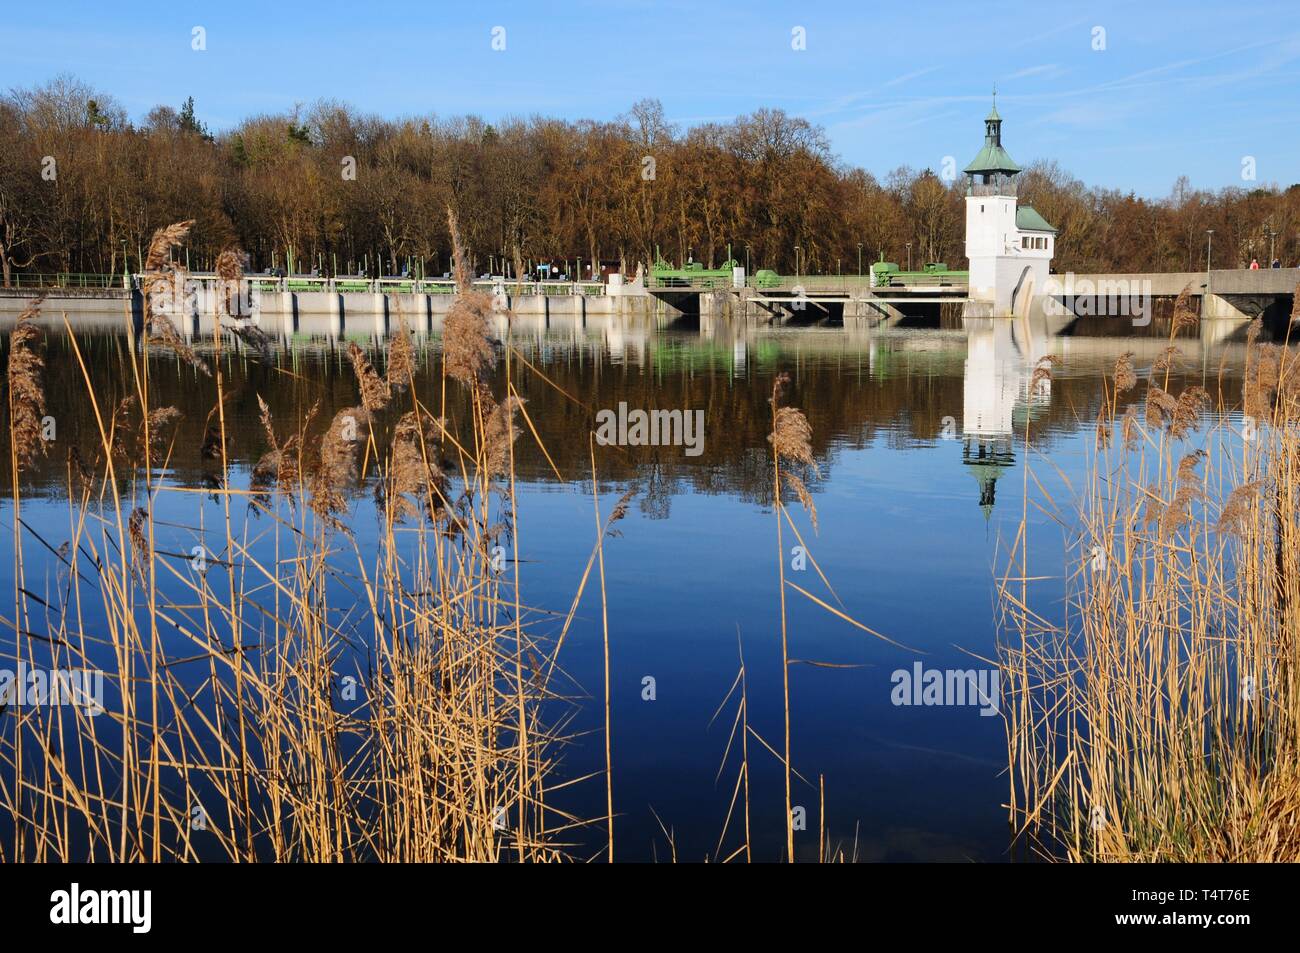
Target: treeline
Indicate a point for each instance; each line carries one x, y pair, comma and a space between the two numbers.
82, 188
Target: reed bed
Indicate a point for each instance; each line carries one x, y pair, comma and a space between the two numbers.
1156, 718
343, 701
299, 687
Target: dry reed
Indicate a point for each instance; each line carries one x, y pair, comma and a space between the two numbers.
1159, 719
251, 715
26, 377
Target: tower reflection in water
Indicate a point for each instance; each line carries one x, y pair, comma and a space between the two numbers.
998, 392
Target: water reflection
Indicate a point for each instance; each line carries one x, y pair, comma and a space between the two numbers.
919, 436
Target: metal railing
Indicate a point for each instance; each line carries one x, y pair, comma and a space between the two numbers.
1005, 186
438, 286
64, 279
830, 284
810, 282
692, 283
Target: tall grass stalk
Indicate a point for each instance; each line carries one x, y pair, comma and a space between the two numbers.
1159, 718
300, 695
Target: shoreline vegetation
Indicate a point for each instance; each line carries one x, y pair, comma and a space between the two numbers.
330, 188
277, 732
393, 699
247, 715
1160, 721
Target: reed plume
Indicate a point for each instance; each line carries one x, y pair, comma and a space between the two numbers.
413, 472
1167, 361
1238, 512
162, 243
467, 346
791, 440
140, 549
1125, 377
1130, 428
1188, 489
1160, 406
280, 466
165, 333
499, 433
230, 264
1186, 316
388, 705
1043, 370
401, 360
460, 269
119, 430
375, 390
26, 375
336, 468
161, 423
163, 290
1154, 718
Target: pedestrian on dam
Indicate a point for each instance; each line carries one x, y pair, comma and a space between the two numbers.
1254, 264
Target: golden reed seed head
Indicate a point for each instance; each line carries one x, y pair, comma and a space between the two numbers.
26, 373
162, 243
401, 360
230, 264
336, 467
499, 433
1185, 316
1235, 517
375, 392
1125, 378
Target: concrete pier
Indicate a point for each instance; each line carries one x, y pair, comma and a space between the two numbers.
331, 313
1230, 297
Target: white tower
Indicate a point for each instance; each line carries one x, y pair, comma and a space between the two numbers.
1010, 246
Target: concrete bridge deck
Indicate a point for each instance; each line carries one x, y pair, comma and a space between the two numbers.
1227, 281
1232, 295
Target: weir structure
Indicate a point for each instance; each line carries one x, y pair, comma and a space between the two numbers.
1010, 247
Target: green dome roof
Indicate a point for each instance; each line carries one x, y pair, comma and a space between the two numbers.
992, 158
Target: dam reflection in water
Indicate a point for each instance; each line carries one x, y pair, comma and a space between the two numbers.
919, 436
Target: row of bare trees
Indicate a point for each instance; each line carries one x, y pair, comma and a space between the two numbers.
82, 188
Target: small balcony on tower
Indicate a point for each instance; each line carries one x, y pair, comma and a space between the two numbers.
996, 183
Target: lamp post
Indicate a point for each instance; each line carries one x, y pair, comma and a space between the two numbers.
1272, 234
909, 256
1209, 247
859, 259
796, 262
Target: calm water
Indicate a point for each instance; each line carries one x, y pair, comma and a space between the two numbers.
919, 438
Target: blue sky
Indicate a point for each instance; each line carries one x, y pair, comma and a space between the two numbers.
1180, 88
